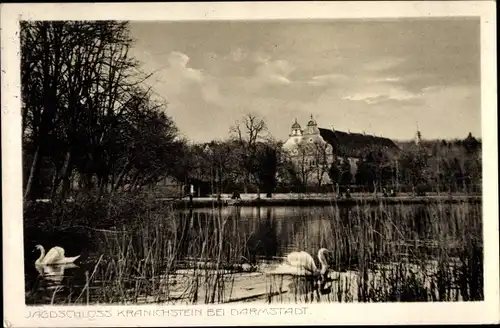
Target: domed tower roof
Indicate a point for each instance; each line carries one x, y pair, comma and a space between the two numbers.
296, 125
312, 122
296, 130
312, 127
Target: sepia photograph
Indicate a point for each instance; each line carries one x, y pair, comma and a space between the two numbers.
259, 162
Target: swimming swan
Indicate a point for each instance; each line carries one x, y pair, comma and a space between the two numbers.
302, 264
54, 256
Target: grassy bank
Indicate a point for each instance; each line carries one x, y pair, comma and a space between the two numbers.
141, 250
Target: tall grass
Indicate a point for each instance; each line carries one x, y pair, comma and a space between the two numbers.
167, 257
149, 252
403, 253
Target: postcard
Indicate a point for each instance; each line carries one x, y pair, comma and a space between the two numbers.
249, 163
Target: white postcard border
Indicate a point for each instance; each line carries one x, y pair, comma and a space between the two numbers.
15, 311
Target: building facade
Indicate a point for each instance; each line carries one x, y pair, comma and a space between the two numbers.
312, 150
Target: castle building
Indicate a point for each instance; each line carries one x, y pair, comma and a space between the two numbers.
313, 149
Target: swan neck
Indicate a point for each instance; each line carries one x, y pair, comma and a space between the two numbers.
322, 261
42, 255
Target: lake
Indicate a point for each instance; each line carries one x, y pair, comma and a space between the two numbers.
405, 252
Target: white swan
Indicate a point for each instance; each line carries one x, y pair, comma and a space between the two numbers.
54, 256
302, 264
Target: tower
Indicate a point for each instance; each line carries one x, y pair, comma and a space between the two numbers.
296, 129
312, 127
294, 138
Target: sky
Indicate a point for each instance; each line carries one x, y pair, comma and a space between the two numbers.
382, 77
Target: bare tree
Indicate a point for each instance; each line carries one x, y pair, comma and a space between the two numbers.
82, 101
303, 161
320, 152
248, 131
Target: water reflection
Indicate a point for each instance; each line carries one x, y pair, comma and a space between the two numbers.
54, 273
247, 236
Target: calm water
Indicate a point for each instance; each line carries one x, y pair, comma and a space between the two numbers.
255, 234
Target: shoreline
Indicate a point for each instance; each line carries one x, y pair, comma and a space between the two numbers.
305, 202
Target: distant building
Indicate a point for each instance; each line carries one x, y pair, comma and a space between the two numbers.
313, 148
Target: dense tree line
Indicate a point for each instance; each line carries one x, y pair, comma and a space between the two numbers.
87, 117
433, 165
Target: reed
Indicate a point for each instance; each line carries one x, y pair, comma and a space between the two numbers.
152, 253
166, 256
400, 253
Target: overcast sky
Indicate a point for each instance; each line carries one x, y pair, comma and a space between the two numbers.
380, 77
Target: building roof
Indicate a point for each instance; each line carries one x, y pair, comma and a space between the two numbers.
355, 144
296, 125
312, 122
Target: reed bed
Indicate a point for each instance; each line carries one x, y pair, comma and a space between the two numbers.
173, 258
401, 253
382, 253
